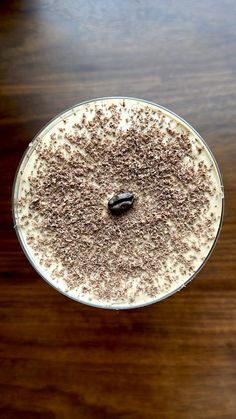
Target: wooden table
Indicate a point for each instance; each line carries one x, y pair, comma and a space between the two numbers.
60, 359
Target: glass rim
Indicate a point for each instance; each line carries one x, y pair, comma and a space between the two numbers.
25, 247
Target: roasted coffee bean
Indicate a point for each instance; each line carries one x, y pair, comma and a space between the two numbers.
121, 202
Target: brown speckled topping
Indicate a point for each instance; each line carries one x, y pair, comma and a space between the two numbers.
119, 258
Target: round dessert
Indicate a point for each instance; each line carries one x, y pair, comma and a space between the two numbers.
118, 202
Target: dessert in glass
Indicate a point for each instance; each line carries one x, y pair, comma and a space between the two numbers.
118, 202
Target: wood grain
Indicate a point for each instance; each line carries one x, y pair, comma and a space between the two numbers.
172, 360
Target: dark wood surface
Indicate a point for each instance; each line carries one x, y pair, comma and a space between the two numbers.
172, 360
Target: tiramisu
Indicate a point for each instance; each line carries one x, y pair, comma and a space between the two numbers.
118, 202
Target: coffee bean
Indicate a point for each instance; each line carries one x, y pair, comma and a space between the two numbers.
121, 202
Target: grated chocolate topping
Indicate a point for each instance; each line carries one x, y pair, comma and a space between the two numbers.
106, 151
